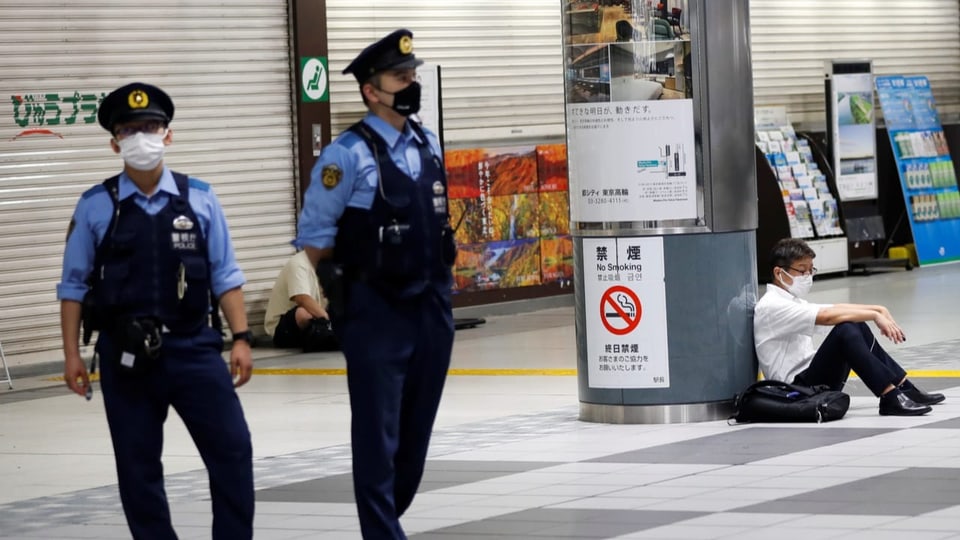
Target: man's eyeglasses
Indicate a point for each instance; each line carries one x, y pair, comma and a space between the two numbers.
811, 272
153, 126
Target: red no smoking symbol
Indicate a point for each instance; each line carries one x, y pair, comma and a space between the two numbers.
620, 310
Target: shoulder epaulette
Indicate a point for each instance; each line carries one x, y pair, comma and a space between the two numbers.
99, 188
199, 185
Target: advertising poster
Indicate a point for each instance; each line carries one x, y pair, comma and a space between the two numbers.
552, 167
554, 213
626, 319
556, 258
556, 245
630, 132
927, 176
633, 161
495, 207
854, 136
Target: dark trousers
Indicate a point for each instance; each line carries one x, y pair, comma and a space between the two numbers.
398, 353
852, 346
190, 376
317, 336
287, 334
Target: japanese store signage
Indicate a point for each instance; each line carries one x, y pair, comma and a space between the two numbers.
44, 114
626, 316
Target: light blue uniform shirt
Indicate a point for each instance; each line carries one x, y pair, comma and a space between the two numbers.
323, 206
92, 217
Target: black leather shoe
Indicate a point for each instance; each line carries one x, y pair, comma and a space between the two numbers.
896, 403
919, 396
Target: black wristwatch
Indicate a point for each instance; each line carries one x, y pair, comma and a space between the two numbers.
246, 335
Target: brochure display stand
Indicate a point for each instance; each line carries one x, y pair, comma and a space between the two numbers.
796, 198
851, 142
927, 175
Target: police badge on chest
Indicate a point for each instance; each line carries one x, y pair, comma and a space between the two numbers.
439, 199
183, 241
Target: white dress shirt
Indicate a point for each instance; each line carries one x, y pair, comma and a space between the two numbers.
783, 330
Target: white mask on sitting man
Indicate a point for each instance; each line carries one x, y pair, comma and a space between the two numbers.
799, 286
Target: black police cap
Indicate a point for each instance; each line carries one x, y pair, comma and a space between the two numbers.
392, 52
135, 101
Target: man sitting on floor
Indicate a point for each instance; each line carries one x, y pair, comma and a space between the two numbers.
296, 316
783, 328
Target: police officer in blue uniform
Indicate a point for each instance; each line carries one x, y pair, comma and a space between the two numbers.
375, 221
145, 250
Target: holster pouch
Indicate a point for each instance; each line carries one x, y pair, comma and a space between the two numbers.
397, 258
448, 246
89, 317
330, 275
139, 342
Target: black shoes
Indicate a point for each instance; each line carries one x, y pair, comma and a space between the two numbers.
897, 403
919, 396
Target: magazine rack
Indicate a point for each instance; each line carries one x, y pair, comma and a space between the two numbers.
797, 199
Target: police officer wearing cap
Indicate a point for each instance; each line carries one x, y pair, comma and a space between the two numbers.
145, 250
375, 221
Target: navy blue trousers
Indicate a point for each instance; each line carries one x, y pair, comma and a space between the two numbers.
190, 376
398, 353
852, 346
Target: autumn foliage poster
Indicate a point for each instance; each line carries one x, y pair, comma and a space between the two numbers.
511, 210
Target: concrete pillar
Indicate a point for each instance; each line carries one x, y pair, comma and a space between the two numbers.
663, 207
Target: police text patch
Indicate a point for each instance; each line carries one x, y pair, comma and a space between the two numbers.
184, 241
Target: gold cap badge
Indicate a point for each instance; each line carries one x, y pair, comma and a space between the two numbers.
138, 99
406, 45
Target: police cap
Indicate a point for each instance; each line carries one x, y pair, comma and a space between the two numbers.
135, 101
392, 52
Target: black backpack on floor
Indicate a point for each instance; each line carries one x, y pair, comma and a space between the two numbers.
777, 401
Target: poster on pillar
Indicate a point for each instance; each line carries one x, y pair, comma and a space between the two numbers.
632, 161
626, 319
628, 84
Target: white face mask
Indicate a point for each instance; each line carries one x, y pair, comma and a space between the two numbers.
143, 151
799, 286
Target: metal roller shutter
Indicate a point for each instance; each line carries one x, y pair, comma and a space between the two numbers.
501, 61
227, 67
791, 41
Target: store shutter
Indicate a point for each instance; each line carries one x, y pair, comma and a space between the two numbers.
227, 67
791, 41
501, 62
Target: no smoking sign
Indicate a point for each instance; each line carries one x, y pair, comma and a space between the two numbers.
620, 310
622, 352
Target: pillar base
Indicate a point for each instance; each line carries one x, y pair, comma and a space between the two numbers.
655, 414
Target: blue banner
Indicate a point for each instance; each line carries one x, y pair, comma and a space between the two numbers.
927, 174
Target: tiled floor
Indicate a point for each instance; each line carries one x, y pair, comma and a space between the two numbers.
510, 460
